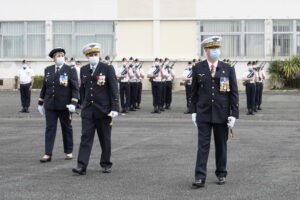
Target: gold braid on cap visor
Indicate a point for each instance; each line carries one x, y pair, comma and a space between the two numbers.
212, 44
92, 50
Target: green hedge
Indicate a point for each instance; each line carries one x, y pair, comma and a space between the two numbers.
38, 82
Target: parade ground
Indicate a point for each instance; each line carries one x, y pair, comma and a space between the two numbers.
154, 155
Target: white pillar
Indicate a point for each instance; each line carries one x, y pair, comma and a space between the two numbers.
156, 28
49, 37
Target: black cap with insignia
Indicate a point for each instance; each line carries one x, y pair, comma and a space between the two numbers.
56, 50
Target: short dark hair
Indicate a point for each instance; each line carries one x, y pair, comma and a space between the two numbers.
107, 58
124, 59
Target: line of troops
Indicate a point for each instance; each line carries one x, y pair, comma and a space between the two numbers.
253, 81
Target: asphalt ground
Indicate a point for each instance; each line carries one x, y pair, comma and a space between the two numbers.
154, 155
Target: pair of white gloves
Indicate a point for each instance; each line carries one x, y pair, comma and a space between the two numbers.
230, 124
72, 109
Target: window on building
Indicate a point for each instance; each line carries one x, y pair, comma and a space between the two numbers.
22, 39
230, 32
74, 35
240, 38
298, 38
282, 37
254, 42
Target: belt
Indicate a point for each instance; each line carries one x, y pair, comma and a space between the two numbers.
124, 81
156, 80
23, 83
133, 81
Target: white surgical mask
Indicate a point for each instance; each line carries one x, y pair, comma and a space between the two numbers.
93, 60
60, 61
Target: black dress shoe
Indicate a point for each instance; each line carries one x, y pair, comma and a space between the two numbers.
187, 112
198, 184
44, 160
106, 170
26, 110
259, 108
80, 171
23, 110
124, 111
221, 181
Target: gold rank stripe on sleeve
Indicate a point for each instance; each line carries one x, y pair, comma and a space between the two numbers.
74, 99
40, 99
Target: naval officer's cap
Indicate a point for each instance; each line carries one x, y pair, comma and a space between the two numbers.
56, 50
91, 48
211, 42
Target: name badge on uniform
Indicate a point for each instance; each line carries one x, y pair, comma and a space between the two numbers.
224, 84
63, 80
100, 80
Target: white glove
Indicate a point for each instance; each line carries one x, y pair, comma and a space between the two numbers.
231, 121
194, 116
41, 109
71, 108
113, 114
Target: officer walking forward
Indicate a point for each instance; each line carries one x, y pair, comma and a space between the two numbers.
100, 105
59, 97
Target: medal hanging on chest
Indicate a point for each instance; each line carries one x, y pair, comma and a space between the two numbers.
224, 84
100, 80
63, 80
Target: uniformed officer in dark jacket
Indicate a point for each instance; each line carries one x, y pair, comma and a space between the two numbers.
214, 104
59, 97
100, 105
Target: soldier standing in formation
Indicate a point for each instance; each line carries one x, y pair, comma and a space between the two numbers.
169, 73
249, 82
155, 75
187, 79
124, 73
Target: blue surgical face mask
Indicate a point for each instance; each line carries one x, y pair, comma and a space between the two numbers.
60, 61
215, 53
93, 60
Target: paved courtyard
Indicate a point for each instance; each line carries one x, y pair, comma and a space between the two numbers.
154, 155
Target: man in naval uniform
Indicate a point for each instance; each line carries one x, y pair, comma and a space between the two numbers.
100, 106
214, 104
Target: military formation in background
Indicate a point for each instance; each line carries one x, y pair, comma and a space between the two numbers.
161, 76
130, 75
253, 81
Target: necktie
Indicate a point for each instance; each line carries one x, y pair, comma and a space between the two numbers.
57, 69
212, 70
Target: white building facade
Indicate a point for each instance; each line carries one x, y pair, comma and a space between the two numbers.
145, 29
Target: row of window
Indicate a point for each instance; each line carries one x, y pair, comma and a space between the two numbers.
246, 38
28, 39
241, 38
